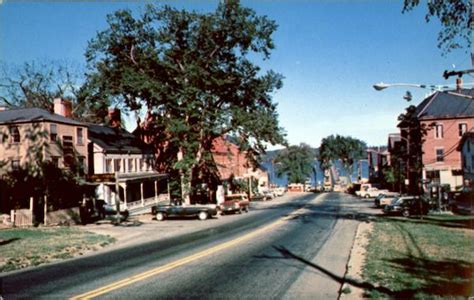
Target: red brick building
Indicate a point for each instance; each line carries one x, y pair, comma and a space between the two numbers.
448, 116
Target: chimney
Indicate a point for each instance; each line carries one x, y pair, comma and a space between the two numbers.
63, 107
114, 117
459, 84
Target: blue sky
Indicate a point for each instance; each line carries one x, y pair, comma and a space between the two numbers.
330, 52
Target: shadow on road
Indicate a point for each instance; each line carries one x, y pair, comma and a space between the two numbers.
287, 254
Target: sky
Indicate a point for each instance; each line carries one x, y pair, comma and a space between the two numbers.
329, 52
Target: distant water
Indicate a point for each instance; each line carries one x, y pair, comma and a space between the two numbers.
361, 167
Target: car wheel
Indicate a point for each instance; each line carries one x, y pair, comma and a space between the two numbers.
406, 213
160, 216
202, 215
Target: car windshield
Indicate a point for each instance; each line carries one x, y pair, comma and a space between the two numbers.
233, 198
397, 201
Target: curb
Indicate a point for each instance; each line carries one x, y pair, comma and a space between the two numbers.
355, 263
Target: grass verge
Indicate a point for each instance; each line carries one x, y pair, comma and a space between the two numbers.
421, 259
21, 248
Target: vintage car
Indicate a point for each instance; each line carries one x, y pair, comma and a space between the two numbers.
203, 212
235, 203
407, 206
385, 199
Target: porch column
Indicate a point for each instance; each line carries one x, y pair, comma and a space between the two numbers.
156, 191
141, 193
125, 194
45, 221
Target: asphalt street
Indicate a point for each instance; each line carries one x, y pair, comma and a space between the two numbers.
296, 248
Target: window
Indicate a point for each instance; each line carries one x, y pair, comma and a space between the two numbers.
117, 165
108, 166
462, 128
439, 131
15, 164
53, 132
440, 155
14, 134
68, 151
79, 136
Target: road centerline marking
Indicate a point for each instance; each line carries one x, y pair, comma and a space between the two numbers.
182, 261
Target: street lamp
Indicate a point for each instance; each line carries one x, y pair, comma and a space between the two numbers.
441, 88
381, 86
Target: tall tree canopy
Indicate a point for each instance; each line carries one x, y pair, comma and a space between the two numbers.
455, 17
297, 162
192, 73
347, 149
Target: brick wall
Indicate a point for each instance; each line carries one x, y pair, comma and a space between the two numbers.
449, 143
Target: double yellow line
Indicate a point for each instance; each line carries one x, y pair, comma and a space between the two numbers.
142, 276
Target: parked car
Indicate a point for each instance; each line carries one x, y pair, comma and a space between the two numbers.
407, 206
385, 199
203, 212
280, 191
235, 203
372, 192
268, 195
462, 202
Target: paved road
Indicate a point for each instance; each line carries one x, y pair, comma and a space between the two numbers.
292, 248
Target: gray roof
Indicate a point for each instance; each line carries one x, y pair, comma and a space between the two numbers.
443, 105
30, 115
117, 140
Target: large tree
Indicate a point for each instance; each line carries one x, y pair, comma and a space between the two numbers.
455, 17
296, 162
194, 73
347, 149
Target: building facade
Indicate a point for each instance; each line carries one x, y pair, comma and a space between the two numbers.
30, 135
123, 166
447, 117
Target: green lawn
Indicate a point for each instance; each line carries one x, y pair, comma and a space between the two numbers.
20, 248
413, 258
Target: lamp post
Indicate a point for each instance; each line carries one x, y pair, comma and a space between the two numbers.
381, 86
441, 88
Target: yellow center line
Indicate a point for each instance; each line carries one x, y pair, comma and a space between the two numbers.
142, 276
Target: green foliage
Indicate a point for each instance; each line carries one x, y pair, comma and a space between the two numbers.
413, 133
296, 162
60, 186
347, 149
455, 18
191, 72
38, 177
